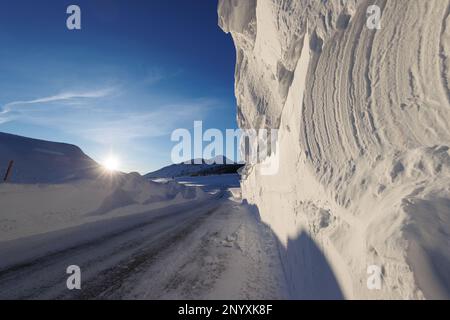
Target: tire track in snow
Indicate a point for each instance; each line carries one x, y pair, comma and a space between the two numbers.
101, 259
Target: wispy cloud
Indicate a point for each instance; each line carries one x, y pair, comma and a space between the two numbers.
121, 125
156, 75
65, 96
106, 121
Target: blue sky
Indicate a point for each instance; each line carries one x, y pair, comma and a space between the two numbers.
135, 72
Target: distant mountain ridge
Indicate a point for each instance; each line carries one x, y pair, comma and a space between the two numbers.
197, 167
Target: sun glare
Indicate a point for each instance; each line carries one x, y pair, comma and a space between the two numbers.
111, 163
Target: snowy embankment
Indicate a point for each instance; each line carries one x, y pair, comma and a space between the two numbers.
54, 186
364, 135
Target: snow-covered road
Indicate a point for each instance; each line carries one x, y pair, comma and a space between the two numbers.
210, 248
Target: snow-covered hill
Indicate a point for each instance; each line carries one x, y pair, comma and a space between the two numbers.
364, 135
38, 161
199, 167
55, 186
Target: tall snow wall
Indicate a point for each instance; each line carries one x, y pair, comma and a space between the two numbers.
364, 132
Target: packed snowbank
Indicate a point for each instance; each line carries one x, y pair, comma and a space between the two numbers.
364, 135
32, 209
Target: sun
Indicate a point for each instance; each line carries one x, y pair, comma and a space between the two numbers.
111, 163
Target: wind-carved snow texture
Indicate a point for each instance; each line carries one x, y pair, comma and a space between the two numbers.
364, 120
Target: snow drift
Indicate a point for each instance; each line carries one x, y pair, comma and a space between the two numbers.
364, 135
